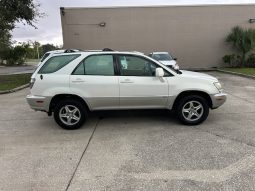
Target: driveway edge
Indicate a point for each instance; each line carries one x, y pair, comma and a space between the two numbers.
236, 73
14, 89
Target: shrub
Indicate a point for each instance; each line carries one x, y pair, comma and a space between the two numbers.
243, 41
251, 60
14, 56
230, 60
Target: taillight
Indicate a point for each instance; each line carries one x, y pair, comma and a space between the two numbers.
32, 81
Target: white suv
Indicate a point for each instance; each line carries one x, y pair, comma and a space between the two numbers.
165, 58
71, 84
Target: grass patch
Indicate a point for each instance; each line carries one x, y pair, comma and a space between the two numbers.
249, 71
8, 82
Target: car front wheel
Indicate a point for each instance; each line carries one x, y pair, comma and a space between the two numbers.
70, 114
192, 110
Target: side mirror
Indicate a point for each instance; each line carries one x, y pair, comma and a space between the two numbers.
175, 59
159, 72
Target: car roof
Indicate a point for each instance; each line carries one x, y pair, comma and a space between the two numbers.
159, 53
61, 51
105, 51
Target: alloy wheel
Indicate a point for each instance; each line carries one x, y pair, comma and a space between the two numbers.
69, 115
192, 110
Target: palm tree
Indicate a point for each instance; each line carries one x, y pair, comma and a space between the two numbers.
243, 40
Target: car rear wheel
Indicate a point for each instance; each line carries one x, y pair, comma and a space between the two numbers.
192, 110
70, 114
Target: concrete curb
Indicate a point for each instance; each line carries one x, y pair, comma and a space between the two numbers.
15, 89
237, 74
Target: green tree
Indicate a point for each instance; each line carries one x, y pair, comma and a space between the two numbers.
11, 13
15, 55
5, 37
242, 40
48, 47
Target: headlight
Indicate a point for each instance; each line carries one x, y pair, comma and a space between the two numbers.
218, 85
176, 67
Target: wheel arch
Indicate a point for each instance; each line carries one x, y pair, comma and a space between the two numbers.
193, 92
55, 99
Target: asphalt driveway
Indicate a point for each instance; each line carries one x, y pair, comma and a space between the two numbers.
131, 150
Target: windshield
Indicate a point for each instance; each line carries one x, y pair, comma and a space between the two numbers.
161, 57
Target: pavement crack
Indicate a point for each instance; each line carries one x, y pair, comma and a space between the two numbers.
82, 155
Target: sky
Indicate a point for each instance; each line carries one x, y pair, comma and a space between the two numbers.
49, 27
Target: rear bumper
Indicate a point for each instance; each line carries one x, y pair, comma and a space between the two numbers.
218, 100
39, 103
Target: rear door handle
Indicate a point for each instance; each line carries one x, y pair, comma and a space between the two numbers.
126, 81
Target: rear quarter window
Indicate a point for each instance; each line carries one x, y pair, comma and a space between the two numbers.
44, 56
55, 63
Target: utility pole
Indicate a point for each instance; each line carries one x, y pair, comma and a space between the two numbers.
38, 56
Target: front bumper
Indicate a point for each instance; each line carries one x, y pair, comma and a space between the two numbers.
38, 103
218, 100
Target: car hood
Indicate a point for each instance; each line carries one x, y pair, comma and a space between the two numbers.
168, 62
198, 75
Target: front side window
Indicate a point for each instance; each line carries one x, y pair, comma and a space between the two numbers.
96, 65
55, 63
136, 66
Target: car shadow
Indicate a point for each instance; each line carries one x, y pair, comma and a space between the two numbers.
154, 114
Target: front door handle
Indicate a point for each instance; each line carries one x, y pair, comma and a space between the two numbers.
78, 80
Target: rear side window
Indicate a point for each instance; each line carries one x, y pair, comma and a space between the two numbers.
96, 65
55, 63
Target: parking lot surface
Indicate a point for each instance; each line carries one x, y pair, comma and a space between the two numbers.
17, 69
131, 150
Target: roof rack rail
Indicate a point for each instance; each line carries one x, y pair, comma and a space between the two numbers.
71, 50
107, 49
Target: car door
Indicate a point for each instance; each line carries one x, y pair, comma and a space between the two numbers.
94, 79
139, 87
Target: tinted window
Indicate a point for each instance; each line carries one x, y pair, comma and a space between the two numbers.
45, 56
55, 63
136, 66
79, 70
96, 65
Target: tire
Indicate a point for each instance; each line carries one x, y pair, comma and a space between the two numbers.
70, 114
192, 110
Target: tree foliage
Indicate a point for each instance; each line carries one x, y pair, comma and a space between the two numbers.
48, 47
243, 41
15, 55
11, 13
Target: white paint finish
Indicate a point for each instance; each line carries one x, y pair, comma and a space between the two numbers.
50, 84
143, 92
100, 92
